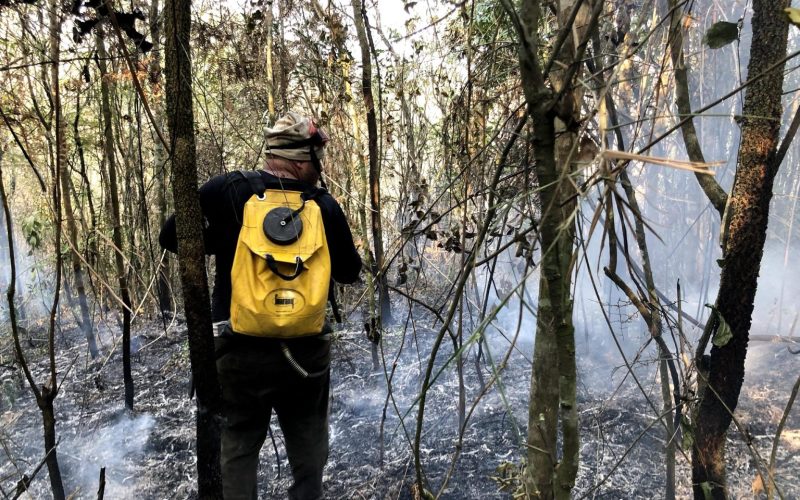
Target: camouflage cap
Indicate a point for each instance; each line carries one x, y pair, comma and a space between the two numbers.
295, 129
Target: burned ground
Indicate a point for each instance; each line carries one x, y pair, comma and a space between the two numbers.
150, 453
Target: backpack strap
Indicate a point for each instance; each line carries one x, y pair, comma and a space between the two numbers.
311, 194
337, 314
253, 177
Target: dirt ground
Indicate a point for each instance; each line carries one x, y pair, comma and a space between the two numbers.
149, 454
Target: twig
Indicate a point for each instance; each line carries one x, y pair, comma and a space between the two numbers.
787, 140
692, 166
101, 489
725, 97
627, 451
778, 432
774, 339
22, 148
135, 78
22, 484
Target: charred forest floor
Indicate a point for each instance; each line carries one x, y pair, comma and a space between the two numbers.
149, 453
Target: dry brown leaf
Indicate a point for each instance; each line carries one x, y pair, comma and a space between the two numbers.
758, 485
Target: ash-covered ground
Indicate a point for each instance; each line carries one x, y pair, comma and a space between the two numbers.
150, 454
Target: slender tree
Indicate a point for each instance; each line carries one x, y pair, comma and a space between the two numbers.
159, 152
744, 234
359, 17
47, 392
191, 255
116, 222
551, 472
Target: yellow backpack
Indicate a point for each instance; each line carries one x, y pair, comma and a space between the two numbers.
282, 268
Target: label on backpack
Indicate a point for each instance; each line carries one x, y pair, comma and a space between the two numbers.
264, 303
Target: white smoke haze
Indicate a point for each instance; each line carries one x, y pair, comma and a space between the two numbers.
85, 446
34, 286
118, 446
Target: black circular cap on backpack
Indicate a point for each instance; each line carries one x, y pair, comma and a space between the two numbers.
281, 227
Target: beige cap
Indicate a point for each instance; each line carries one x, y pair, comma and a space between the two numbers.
293, 128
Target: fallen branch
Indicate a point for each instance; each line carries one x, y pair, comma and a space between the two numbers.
25, 482
692, 166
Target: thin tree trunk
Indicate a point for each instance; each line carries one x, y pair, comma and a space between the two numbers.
550, 473
656, 327
46, 393
159, 154
359, 15
748, 212
710, 187
268, 19
108, 144
188, 218
49, 390
358, 162
72, 234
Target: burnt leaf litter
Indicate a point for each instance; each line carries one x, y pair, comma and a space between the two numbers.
150, 454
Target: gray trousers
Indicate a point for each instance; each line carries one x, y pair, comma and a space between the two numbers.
256, 379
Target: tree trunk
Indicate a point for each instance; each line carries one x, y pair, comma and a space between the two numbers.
359, 16
72, 234
45, 396
553, 379
45, 402
748, 213
108, 144
188, 218
159, 154
268, 19
49, 389
707, 182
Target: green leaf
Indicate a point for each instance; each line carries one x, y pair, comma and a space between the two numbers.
706, 487
724, 333
794, 16
687, 440
721, 34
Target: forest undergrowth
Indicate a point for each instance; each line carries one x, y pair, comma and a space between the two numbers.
150, 453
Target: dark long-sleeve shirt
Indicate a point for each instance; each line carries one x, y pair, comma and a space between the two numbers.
222, 201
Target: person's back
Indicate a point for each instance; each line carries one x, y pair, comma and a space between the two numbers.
260, 371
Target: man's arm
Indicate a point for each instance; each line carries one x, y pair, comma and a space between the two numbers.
345, 261
168, 237
210, 199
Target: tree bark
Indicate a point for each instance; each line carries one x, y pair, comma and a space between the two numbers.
748, 209
72, 234
710, 187
113, 194
159, 153
553, 379
359, 16
191, 255
49, 389
268, 19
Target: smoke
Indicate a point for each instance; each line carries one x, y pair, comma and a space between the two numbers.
118, 447
34, 283
779, 284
